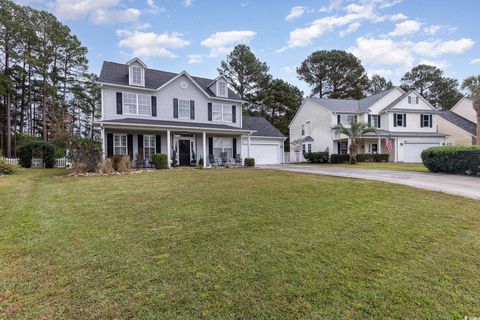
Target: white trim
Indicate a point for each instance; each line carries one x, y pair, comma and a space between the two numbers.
136, 114
126, 143
142, 76
218, 91
216, 79
123, 125
136, 59
125, 86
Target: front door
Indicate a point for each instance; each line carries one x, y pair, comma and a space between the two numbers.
184, 152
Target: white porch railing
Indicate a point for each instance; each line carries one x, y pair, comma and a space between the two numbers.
38, 163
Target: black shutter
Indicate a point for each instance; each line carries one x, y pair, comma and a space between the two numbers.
158, 144
338, 119
369, 120
140, 142
192, 109
175, 108
130, 145
404, 119
379, 124
154, 106
394, 119
421, 120
234, 148
109, 144
210, 145
209, 111
119, 103
430, 120
234, 114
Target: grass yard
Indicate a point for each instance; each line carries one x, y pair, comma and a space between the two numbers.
233, 244
397, 166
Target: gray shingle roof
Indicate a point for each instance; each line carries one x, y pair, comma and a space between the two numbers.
459, 121
169, 123
262, 127
351, 106
117, 73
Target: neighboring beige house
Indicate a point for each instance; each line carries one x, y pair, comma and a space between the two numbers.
459, 124
406, 118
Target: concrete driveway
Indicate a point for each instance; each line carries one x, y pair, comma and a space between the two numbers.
459, 185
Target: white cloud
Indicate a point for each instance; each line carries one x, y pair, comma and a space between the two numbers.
442, 64
432, 30
222, 42
150, 44
383, 52
98, 11
398, 16
405, 28
294, 13
475, 61
195, 58
386, 73
187, 3
154, 9
388, 3
289, 69
437, 48
351, 28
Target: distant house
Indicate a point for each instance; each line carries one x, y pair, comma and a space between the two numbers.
151, 111
406, 118
460, 123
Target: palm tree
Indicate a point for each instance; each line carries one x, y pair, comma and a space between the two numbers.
354, 132
472, 84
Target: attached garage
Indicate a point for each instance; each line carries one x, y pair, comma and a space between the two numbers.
266, 141
412, 150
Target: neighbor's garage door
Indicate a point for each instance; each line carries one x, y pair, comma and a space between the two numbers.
412, 151
265, 153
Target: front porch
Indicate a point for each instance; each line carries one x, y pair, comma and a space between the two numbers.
366, 145
184, 147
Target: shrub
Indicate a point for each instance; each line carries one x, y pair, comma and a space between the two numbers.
7, 168
339, 158
124, 164
115, 162
316, 157
200, 163
160, 160
381, 157
42, 149
457, 159
249, 162
80, 167
86, 151
106, 167
373, 157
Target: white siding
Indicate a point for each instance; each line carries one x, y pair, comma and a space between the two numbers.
464, 108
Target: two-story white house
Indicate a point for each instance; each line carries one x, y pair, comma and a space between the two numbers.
405, 118
153, 111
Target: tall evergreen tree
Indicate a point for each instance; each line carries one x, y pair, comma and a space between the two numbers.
334, 74
378, 84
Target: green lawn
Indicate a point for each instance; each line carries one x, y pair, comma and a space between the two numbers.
398, 166
233, 244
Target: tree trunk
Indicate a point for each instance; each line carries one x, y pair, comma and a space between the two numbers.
478, 128
353, 153
44, 107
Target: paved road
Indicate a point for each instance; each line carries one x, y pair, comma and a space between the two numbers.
459, 185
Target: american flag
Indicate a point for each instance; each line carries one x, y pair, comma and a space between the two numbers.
388, 143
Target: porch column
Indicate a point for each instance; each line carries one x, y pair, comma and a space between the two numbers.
204, 140
248, 146
379, 143
104, 144
169, 147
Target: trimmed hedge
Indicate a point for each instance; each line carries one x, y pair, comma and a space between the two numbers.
249, 162
452, 159
160, 160
369, 157
41, 149
316, 157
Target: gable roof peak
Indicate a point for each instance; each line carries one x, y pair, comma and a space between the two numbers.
136, 59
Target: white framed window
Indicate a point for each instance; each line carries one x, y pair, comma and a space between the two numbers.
374, 121
221, 112
148, 146
309, 147
137, 75
137, 104
425, 120
308, 128
183, 109
347, 119
222, 90
413, 99
303, 130
119, 144
223, 145
303, 148
399, 120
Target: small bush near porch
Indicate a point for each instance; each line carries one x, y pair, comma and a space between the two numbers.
233, 244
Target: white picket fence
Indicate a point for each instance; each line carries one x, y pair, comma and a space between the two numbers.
38, 163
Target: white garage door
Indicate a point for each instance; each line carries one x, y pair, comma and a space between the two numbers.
265, 153
413, 151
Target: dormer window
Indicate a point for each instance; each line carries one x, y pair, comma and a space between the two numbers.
413, 99
137, 75
222, 89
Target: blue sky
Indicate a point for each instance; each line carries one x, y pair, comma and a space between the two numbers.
389, 36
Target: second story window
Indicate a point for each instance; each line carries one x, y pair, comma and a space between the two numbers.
137, 104
183, 109
222, 112
221, 88
374, 120
425, 120
136, 75
346, 119
399, 120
